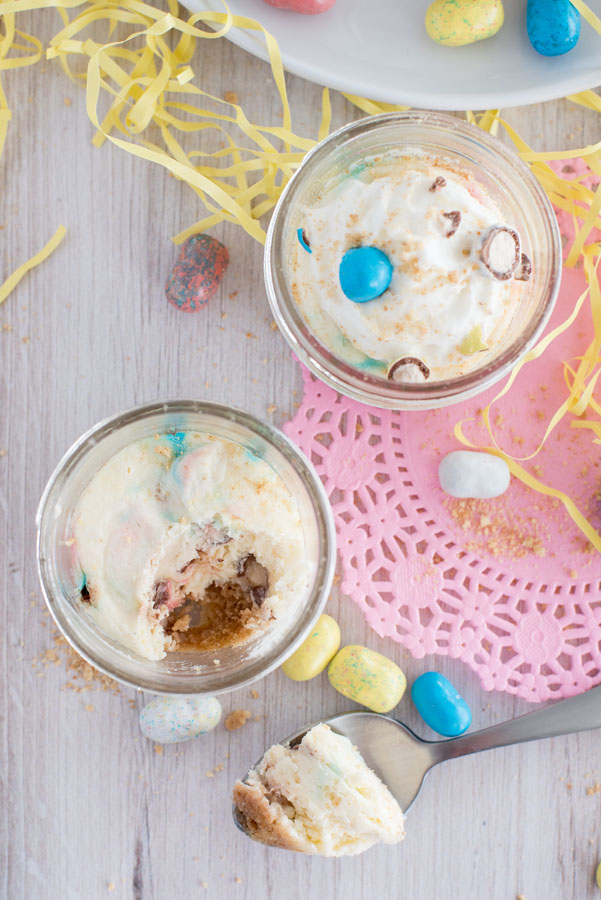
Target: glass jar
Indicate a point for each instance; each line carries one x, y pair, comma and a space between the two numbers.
190, 672
504, 178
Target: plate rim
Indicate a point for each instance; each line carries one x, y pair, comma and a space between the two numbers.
522, 96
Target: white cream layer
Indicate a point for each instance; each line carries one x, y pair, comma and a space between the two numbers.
149, 509
439, 291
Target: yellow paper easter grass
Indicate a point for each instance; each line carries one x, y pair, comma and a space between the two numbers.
13, 280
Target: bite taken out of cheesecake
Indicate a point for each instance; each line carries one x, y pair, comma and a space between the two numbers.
188, 542
318, 797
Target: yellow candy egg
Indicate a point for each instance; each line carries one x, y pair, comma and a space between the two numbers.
367, 678
315, 652
455, 23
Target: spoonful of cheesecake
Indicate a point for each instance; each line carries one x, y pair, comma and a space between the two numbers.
338, 787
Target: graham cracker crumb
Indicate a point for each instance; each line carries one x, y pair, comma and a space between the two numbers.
3, 452
254, 694
238, 880
67, 101
271, 408
164, 451
230, 97
110, 886
237, 719
89, 707
273, 325
498, 528
249, 334
593, 789
181, 624
158, 749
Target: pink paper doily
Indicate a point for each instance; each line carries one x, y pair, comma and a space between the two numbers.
508, 586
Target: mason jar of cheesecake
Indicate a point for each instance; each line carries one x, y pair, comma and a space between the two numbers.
185, 547
412, 260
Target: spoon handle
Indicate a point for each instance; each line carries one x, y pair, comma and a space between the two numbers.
580, 713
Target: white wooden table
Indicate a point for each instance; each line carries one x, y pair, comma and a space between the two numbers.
88, 807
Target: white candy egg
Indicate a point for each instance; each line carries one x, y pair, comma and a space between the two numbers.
467, 473
167, 720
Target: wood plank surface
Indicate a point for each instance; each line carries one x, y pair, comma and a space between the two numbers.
89, 809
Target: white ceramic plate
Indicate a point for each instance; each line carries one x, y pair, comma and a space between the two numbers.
379, 49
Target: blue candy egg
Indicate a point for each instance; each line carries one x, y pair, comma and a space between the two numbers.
553, 26
365, 273
440, 705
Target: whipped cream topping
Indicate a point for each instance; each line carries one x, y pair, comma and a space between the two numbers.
170, 520
430, 220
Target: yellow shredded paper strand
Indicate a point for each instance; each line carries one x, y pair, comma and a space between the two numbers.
145, 80
13, 280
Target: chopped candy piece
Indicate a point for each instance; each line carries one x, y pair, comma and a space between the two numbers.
501, 251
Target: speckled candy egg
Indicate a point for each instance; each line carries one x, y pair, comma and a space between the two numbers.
197, 272
553, 26
367, 677
455, 23
167, 720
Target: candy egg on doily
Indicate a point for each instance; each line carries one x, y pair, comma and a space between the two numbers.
467, 473
168, 720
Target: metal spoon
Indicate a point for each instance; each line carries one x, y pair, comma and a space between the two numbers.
402, 760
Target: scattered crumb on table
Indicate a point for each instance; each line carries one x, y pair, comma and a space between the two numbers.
158, 749
236, 719
254, 694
